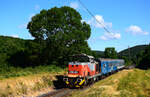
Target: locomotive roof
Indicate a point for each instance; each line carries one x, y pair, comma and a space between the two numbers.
107, 59
83, 55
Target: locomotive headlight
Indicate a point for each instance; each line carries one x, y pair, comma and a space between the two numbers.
79, 80
65, 79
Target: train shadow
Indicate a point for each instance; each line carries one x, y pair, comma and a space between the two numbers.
58, 83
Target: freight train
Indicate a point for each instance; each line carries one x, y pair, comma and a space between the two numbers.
84, 69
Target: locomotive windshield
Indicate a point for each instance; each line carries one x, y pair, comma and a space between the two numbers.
79, 58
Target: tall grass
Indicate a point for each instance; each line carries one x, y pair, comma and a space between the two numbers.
9, 71
126, 83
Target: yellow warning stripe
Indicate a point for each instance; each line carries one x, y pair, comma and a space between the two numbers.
81, 82
67, 82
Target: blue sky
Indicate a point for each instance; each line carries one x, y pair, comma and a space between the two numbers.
127, 20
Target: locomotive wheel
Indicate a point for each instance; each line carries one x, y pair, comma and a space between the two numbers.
86, 82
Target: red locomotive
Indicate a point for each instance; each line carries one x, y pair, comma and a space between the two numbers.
80, 70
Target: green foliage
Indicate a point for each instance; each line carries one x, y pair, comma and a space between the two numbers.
98, 54
62, 32
8, 47
144, 58
110, 53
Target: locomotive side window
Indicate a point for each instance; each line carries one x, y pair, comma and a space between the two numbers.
88, 73
97, 67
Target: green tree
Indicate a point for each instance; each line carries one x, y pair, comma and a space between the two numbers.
62, 31
144, 58
110, 53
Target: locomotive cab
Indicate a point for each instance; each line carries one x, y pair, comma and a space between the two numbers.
78, 69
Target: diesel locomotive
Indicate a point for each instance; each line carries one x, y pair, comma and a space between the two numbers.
84, 69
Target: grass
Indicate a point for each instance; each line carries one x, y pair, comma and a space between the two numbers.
7, 72
126, 83
16, 82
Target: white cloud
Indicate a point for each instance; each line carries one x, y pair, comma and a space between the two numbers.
74, 5
100, 18
110, 36
106, 36
15, 36
136, 30
103, 37
37, 7
22, 26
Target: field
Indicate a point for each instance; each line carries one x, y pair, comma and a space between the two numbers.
28, 82
126, 83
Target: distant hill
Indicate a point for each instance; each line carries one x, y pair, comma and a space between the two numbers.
133, 51
99, 53
11, 47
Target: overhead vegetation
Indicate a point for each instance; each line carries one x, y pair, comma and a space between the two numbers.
61, 33
110, 53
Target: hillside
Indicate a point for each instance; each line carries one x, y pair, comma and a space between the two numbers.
9, 46
126, 83
133, 51
19, 52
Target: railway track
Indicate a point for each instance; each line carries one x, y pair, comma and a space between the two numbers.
58, 93
64, 92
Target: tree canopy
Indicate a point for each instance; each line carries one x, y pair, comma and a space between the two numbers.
110, 53
61, 32
59, 23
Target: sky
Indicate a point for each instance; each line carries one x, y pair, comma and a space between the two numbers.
128, 21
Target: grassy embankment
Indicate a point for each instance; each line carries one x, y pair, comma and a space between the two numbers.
126, 83
15, 82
